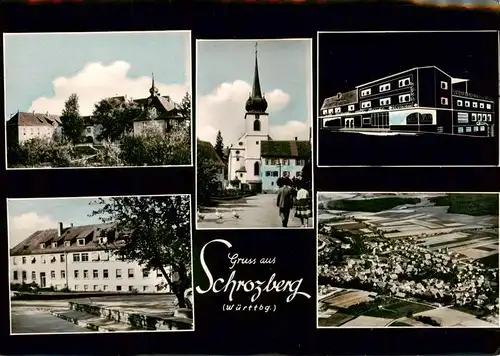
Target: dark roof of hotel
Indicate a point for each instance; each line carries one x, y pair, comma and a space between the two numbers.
209, 150
34, 119
350, 97
91, 234
285, 149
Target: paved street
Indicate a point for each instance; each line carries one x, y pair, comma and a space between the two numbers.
29, 320
259, 211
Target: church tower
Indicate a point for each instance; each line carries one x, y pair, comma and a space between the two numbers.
256, 128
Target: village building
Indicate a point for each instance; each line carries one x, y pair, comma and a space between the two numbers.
282, 158
80, 258
24, 126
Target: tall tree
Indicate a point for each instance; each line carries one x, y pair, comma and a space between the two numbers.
157, 234
219, 146
206, 172
185, 106
115, 117
71, 121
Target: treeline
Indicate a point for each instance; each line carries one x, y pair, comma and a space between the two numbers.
469, 204
369, 205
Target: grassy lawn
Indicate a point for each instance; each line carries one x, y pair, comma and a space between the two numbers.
394, 310
336, 319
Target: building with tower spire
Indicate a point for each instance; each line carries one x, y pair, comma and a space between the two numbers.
244, 161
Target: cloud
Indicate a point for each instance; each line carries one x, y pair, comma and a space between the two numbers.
224, 110
97, 81
22, 226
290, 130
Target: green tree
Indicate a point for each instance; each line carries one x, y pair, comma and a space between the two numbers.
206, 173
115, 117
157, 234
185, 106
219, 146
71, 121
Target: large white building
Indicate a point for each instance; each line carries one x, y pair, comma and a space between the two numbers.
24, 126
80, 258
244, 162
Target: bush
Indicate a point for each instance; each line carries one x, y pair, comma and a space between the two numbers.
245, 187
38, 152
235, 183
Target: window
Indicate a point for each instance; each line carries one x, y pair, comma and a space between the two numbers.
268, 173
130, 288
240, 143
77, 287
385, 87
42, 246
43, 259
275, 173
337, 110
86, 274
119, 288
468, 129
405, 98
52, 259
67, 243
256, 142
85, 257
488, 106
460, 103
479, 117
366, 92
256, 169
145, 273
444, 85
476, 128
95, 274
15, 276
404, 82
33, 275
482, 128
23, 273
489, 117
145, 288
444, 101
63, 274
80, 242
467, 104
256, 125
241, 175
325, 112
330, 111
24, 260
237, 159
61, 257
481, 105
237, 152
77, 274
463, 117
14, 261
366, 104
118, 273
301, 162
351, 108
95, 255
96, 287
367, 121
76, 257
33, 260
474, 104
105, 273
474, 117
105, 287
52, 274
385, 101
131, 273
460, 130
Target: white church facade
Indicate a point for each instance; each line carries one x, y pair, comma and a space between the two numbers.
244, 161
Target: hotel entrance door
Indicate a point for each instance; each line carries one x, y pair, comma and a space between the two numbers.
349, 123
380, 120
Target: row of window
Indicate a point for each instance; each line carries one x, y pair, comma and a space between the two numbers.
285, 173
95, 274
471, 129
405, 98
285, 162
387, 86
474, 104
79, 242
118, 288
77, 257
463, 117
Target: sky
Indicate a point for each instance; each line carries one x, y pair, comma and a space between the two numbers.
350, 59
25, 216
225, 76
43, 70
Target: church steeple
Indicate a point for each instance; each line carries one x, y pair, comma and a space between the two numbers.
256, 101
153, 90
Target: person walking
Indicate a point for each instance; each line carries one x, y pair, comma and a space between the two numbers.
303, 209
284, 200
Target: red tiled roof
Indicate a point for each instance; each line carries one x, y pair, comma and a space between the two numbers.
34, 119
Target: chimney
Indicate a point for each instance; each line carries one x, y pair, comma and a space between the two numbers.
60, 229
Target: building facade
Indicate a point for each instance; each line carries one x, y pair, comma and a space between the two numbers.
80, 259
24, 126
244, 161
282, 158
418, 100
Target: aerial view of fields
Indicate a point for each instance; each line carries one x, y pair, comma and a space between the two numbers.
408, 260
